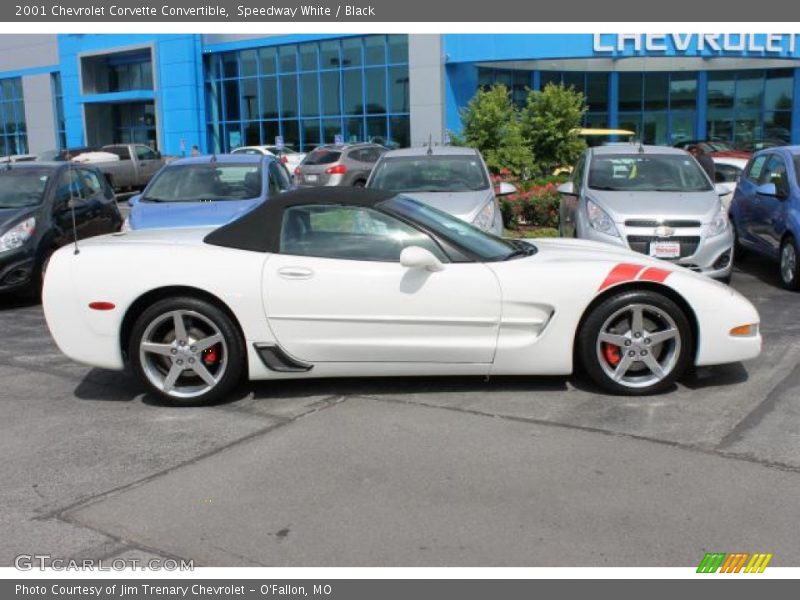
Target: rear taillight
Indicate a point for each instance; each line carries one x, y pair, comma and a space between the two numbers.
297, 170
337, 170
284, 159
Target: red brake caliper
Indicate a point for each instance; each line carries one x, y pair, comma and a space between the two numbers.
611, 353
211, 355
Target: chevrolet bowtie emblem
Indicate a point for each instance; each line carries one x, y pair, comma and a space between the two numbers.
664, 231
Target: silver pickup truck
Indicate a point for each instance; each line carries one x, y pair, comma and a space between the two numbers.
136, 165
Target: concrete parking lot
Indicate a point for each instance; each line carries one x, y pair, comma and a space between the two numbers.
404, 472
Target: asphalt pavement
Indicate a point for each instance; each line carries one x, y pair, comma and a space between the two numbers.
457, 471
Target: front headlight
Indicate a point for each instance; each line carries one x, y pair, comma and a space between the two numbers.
599, 219
485, 218
719, 225
19, 234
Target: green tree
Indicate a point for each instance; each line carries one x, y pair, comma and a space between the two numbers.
549, 121
491, 124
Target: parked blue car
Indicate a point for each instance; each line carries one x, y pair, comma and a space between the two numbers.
206, 191
765, 210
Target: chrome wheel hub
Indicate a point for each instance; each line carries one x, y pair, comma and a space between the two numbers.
183, 353
638, 345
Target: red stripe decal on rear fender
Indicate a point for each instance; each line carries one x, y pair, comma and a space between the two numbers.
620, 274
654, 274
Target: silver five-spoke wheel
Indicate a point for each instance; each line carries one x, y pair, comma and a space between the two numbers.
638, 345
635, 342
187, 350
183, 353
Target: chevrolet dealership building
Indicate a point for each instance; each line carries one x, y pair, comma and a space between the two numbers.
221, 91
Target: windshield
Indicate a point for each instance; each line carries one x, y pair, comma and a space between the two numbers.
719, 147
193, 183
20, 188
430, 174
476, 241
647, 173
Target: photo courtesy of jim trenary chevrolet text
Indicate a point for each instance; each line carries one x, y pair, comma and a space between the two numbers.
399, 299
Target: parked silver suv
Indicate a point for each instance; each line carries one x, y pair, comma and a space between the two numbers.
449, 178
347, 165
651, 199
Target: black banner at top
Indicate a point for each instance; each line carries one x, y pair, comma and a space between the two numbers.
327, 11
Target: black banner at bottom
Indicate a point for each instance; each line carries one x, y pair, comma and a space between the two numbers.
732, 587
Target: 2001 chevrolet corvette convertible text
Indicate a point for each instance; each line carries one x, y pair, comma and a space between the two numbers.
350, 282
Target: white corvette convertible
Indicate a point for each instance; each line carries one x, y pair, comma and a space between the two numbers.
346, 282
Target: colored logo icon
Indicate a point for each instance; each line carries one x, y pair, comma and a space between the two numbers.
738, 562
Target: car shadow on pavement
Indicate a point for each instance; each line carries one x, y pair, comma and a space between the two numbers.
108, 386
10, 301
761, 268
371, 386
716, 376
101, 385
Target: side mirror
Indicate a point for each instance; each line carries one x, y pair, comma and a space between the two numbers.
767, 189
415, 257
723, 189
567, 188
505, 188
134, 200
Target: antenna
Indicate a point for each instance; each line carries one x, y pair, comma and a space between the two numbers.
72, 208
430, 144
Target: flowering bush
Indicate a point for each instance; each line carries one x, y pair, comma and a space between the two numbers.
536, 203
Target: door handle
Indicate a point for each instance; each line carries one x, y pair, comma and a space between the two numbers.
295, 273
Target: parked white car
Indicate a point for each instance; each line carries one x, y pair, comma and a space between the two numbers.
342, 282
287, 155
727, 171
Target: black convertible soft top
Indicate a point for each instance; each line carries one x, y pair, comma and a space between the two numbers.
260, 229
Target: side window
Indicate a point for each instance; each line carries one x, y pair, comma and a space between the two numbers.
121, 151
775, 172
371, 154
69, 187
278, 178
358, 155
91, 183
726, 174
349, 233
145, 153
756, 167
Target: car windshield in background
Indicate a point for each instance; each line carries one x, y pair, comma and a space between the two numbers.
716, 147
322, 156
483, 245
193, 183
647, 173
20, 188
431, 174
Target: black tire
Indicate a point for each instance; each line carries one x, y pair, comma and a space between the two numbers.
739, 251
359, 183
789, 264
33, 291
660, 315
200, 318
